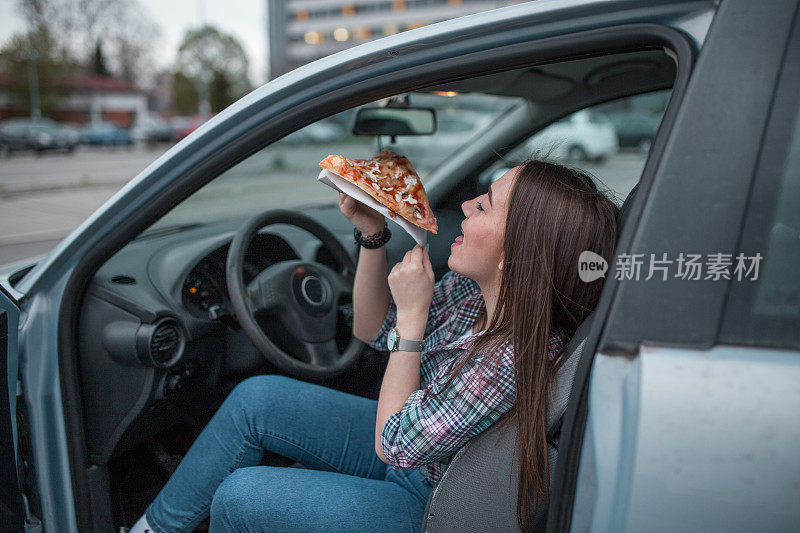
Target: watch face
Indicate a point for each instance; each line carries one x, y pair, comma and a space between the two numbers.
391, 339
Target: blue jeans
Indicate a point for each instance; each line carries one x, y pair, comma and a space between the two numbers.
345, 486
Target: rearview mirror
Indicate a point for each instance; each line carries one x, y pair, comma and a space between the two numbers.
395, 121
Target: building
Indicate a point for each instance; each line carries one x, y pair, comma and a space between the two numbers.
97, 98
85, 100
301, 31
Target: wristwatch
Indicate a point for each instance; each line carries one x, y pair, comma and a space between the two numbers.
394, 342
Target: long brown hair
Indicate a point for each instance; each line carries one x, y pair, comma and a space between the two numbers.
554, 214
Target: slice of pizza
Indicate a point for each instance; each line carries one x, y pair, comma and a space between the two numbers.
391, 180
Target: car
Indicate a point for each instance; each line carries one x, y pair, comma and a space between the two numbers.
152, 130
582, 136
39, 135
69, 136
636, 130
23, 134
183, 126
636, 125
106, 134
180, 127
675, 405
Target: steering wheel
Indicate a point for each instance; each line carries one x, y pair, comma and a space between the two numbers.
303, 294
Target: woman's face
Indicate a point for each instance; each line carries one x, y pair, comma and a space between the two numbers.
478, 252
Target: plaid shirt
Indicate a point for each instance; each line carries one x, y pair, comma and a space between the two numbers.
429, 431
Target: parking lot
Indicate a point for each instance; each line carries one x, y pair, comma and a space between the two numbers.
43, 198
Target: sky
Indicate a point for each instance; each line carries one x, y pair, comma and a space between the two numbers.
245, 19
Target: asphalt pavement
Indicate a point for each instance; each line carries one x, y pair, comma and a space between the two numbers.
44, 198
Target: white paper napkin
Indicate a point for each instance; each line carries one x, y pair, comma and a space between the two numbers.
340, 184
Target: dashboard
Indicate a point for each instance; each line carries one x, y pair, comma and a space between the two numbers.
205, 288
157, 333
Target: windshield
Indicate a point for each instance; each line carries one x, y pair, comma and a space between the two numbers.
284, 174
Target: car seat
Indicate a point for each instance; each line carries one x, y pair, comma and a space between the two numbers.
478, 490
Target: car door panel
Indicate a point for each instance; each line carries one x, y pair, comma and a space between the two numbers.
12, 513
680, 439
654, 417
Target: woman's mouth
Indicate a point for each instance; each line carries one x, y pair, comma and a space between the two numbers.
458, 241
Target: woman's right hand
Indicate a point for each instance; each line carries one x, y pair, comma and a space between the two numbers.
364, 218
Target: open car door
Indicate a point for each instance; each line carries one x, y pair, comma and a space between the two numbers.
12, 514
660, 433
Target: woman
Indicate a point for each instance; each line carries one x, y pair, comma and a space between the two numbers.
492, 331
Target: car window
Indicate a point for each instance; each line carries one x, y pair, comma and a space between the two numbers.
764, 305
610, 141
283, 175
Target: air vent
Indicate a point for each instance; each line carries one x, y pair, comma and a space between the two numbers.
160, 344
165, 342
123, 280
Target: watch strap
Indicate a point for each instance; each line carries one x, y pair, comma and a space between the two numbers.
408, 345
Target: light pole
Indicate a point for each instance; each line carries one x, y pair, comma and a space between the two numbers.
33, 79
205, 106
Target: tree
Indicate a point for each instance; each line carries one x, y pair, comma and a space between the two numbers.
133, 38
51, 67
220, 57
98, 61
126, 31
185, 97
220, 93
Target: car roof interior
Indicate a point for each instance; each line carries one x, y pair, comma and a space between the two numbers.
552, 90
578, 78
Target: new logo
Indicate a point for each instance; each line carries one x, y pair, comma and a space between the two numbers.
591, 266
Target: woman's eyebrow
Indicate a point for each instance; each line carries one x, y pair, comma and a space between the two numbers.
490, 196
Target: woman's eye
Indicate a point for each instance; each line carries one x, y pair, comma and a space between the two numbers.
480, 207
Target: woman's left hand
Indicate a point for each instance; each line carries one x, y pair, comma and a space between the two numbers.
411, 282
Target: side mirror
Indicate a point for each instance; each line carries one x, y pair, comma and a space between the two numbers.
394, 121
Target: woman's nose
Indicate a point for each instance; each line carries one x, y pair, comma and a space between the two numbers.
465, 207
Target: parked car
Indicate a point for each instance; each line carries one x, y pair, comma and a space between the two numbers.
636, 125
69, 136
183, 126
676, 401
152, 130
180, 127
581, 136
106, 134
635, 130
39, 135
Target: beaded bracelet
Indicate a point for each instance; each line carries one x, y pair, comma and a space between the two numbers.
375, 240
